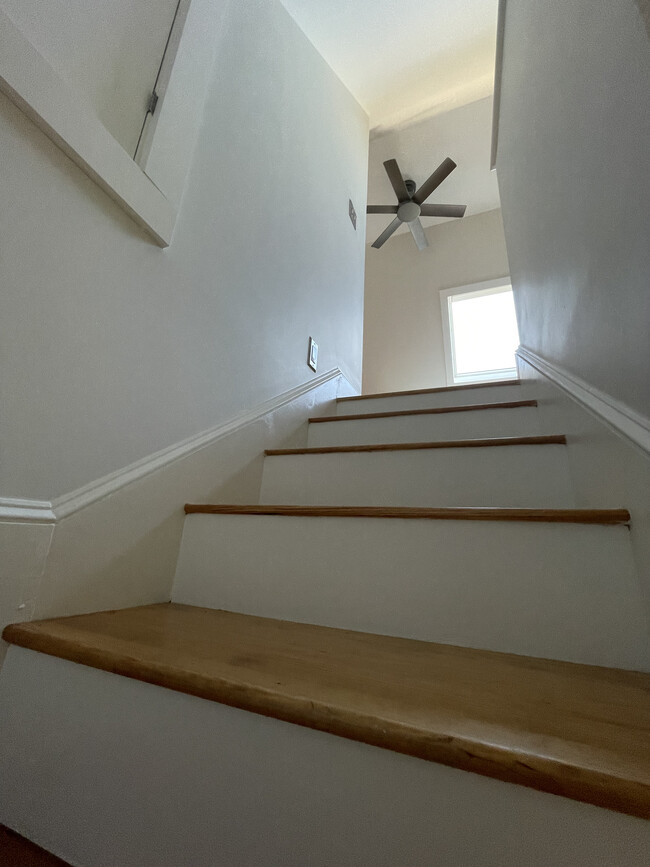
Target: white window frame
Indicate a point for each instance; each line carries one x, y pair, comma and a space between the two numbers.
29, 81
474, 290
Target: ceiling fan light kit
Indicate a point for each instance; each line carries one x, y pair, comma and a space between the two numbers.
411, 201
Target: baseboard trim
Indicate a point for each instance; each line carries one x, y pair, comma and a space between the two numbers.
44, 511
616, 415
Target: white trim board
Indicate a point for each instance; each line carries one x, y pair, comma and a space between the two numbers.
44, 511
22, 511
616, 415
67, 119
470, 289
498, 80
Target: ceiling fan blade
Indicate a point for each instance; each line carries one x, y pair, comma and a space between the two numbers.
445, 168
417, 230
385, 235
382, 209
397, 180
443, 210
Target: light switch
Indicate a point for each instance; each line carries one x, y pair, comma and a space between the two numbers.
312, 357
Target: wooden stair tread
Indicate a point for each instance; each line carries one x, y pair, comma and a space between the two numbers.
439, 390
573, 730
555, 439
439, 410
451, 513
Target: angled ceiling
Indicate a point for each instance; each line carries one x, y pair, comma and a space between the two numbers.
404, 58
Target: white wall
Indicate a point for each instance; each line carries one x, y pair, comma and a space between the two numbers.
113, 349
606, 470
110, 51
575, 187
121, 549
403, 346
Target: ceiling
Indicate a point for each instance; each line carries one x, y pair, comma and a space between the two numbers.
464, 134
404, 58
424, 72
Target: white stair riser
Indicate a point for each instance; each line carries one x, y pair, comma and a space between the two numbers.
518, 476
473, 424
103, 769
563, 591
465, 397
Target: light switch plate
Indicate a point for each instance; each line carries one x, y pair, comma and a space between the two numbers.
312, 357
353, 215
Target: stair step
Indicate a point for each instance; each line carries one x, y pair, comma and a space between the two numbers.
556, 439
453, 513
540, 582
572, 730
532, 472
439, 410
444, 389
480, 392
517, 418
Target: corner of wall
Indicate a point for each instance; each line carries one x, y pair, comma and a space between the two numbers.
608, 470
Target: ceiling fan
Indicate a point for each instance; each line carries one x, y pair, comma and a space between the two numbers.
411, 205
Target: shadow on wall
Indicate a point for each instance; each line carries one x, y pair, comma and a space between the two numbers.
644, 9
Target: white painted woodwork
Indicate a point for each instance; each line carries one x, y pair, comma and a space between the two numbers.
563, 591
102, 769
110, 51
92, 103
61, 112
431, 400
522, 421
527, 476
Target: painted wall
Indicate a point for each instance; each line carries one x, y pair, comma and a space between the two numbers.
605, 469
112, 348
110, 51
575, 188
403, 346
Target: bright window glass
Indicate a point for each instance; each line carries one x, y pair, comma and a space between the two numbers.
483, 334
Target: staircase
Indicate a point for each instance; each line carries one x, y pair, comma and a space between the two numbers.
416, 579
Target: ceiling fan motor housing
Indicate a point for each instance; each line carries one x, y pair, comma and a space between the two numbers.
408, 211
411, 186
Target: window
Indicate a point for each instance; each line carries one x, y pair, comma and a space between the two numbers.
480, 332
